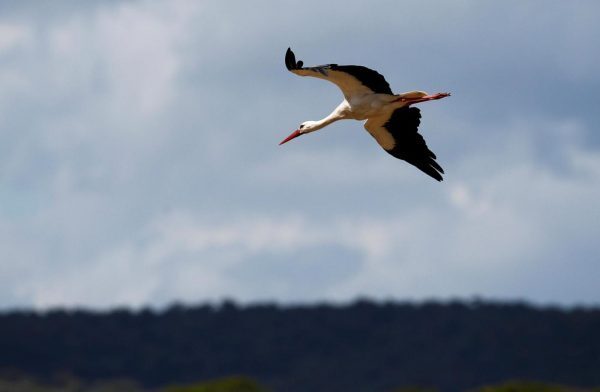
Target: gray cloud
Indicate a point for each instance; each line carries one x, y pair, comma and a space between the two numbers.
126, 126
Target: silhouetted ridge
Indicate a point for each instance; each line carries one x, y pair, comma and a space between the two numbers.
363, 346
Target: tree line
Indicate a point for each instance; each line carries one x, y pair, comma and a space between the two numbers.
362, 346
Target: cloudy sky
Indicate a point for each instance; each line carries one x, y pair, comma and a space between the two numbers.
139, 162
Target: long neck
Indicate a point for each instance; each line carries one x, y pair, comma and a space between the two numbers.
333, 117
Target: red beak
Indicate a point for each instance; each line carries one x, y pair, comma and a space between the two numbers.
294, 135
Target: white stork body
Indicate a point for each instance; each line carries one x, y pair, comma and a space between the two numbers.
367, 96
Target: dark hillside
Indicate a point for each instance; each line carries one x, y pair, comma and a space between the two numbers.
364, 346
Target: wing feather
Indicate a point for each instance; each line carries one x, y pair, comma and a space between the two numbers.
397, 132
351, 79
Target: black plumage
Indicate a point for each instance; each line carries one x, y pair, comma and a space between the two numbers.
368, 77
410, 146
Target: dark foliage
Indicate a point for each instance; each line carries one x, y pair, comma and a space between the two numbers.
231, 384
359, 347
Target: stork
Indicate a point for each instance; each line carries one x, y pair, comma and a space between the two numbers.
367, 96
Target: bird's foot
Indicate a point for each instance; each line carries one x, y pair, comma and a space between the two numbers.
426, 98
436, 96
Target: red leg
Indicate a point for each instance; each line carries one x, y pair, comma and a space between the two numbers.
423, 99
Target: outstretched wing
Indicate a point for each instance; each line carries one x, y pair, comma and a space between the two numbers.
351, 79
397, 132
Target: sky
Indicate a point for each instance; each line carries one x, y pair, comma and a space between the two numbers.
140, 166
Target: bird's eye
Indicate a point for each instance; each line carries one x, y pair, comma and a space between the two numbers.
301, 126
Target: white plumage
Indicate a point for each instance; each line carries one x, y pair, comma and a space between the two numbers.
367, 96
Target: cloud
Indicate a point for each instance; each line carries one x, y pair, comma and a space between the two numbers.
514, 235
13, 35
139, 160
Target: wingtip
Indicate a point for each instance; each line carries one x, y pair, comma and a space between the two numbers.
290, 59
433, 170
438, 172
437, 177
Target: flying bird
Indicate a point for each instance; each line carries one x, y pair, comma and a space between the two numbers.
367, 96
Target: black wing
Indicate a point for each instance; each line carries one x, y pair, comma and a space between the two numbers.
398, 135
351, 79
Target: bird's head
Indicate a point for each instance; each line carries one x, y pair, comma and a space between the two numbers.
305, 127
